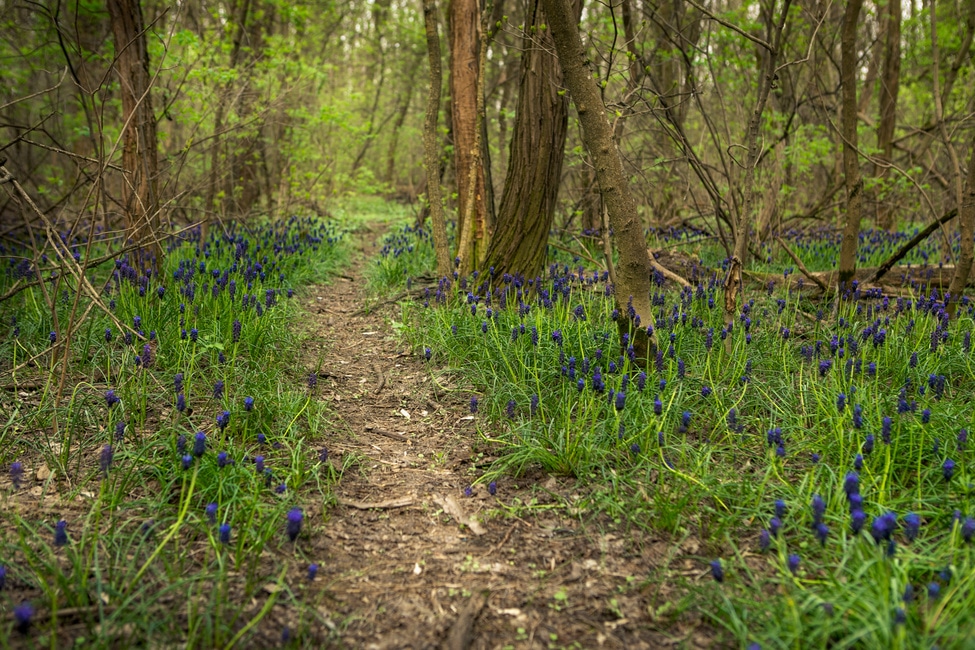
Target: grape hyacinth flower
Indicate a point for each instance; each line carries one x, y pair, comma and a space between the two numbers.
181, 402
248, 404
53, 337
236, 330
780, 508
194, 334
312, 571
774, 525
818, 509
211, 513
23, 613
105, 459
473, 404
764, 540
912, 526
851, 484
295, 517
223, 420
61, 533
493, 488
181, 444
119, 431
108, 335
199, 444
259, 464
323, 455
858, 462
822, 532
620, 400
178, 382
218, 390
312, 380
187, 461
793, 563
857, 520
968, 529
223, 460
111, 399
934, 591
225, 533
468, 491
717, 571
948, 469
16, 474
3, 577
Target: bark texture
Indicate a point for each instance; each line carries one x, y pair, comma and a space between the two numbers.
889, 89
848, 129
430, 148
966, 227
633, 272
465, 31
140, 198
531, 184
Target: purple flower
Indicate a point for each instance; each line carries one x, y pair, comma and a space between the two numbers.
187, 461
925, 415
323, 455
840, 402
717, 571
111, 399
23, 613
194, 334
3, 577
473, 404
824, 366
780, 508
857, 416
312, 380
108, 335
53, 337
493, 488
223, 460
261, 439
236, 326
764, 540
968, 529
223, 420
218, 390
533, 404
211, 512
851, 484
225, 533
427, 353
181, 402
16, 474
857, 521
620, 400
858, 462
105, 460
468, 491
818, 509
635, 448
912, 526
868, 444
948, 469
774, 525
705, 391
61, 533
934, 591
295, 517
793, 563
181, 444
248, 404
658, 407
312, 571
199, 444
259, 464
822, 532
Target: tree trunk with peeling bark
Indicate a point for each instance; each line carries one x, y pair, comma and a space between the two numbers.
430, 149
633, 273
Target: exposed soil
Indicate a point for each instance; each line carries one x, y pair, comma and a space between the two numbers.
411, 562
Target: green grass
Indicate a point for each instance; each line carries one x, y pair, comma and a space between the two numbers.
716, 479
144, 563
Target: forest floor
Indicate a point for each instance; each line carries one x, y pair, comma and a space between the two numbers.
411, 562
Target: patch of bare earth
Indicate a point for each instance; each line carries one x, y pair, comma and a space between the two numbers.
410, 562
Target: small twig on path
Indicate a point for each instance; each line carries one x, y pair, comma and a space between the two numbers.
401, 502
388, 434
454, 509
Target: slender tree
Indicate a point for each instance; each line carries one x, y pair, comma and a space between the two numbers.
634, 271
140, 196
430, 149
848, 131
966, 227
889, 89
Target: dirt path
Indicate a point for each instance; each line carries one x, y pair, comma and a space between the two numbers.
402, 571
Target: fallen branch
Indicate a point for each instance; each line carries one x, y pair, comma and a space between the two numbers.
802, 267
454, 509
906, 248
388, 434
667, 273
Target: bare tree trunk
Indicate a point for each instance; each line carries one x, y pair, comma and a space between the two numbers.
742, 223
140, 199
889, 88
633, 273
531, 185
966, 227
430, 149
848, 130
465, 32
